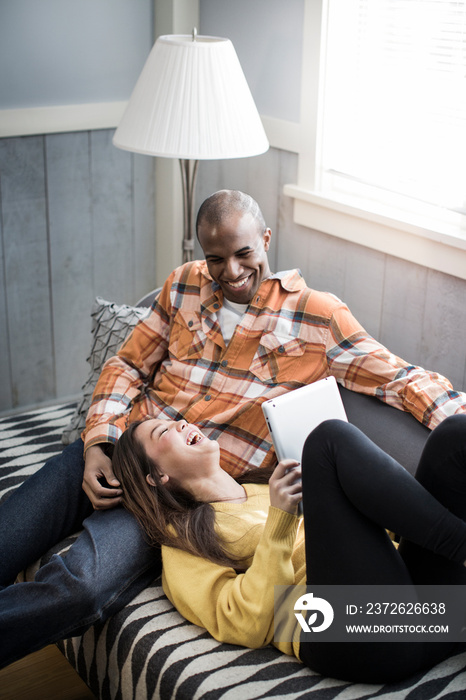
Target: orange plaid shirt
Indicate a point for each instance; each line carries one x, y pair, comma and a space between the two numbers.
175, 364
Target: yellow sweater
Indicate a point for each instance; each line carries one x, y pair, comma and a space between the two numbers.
239, 608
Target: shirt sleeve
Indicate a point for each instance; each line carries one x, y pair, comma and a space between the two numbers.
360, 363
125, 376
234, 608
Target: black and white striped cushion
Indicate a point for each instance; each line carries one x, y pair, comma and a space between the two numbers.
148, 651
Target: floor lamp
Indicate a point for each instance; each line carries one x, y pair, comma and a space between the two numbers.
191, 102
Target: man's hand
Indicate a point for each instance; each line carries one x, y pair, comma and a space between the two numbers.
285, 486
98, 468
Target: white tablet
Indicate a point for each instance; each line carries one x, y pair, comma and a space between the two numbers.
290, 417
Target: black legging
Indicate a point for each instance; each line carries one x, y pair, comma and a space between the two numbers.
352, 491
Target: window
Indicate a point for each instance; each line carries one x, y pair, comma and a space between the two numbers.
382, 150
395, 98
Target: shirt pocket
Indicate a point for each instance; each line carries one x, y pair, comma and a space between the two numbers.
279, 359
187, 339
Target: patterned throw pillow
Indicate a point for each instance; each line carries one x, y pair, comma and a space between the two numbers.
111, 323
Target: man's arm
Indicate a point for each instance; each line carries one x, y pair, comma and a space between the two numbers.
362, 364
125, 376
123, 379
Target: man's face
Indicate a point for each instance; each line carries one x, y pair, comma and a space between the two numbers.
236, 255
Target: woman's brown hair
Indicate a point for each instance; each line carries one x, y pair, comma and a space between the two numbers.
169, 515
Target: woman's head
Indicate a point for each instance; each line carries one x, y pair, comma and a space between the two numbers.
153, 460
141, 455
178, 449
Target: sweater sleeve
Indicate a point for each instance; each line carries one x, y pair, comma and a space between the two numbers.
234, 608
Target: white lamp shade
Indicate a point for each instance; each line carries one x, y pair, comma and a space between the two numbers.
192, 101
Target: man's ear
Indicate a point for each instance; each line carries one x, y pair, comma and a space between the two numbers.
266, 238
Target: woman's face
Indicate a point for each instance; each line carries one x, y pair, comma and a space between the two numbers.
178, 448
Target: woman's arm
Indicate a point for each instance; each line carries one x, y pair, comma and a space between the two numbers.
234, 608
238, 608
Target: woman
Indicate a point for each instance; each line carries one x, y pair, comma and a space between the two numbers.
225, 544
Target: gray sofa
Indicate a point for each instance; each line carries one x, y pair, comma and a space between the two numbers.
148, 650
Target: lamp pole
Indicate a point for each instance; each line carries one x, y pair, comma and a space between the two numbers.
188, 182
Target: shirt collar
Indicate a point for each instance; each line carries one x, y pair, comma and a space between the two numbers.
291, 280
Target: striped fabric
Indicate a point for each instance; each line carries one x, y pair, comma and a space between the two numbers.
149, 652
27, 440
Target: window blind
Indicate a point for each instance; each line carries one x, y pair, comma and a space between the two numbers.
394, 113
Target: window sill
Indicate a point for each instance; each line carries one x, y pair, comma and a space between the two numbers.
420, 239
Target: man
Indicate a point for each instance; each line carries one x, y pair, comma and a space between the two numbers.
224, 335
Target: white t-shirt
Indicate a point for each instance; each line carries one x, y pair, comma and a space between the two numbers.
229, 316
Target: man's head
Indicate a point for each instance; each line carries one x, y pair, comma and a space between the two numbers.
235, 240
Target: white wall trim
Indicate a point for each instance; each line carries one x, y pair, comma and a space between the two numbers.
170, 17
60, 118
107, 115
416, 240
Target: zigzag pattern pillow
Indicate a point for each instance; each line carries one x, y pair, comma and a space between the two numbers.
111, 324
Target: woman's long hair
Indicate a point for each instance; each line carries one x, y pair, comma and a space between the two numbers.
169, 514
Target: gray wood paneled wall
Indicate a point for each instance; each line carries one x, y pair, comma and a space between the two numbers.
76, 221
419, 314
